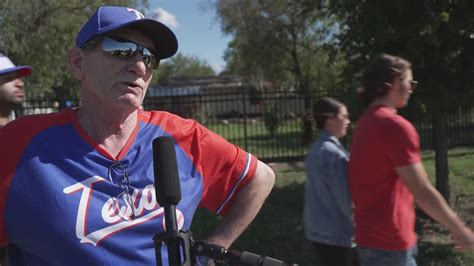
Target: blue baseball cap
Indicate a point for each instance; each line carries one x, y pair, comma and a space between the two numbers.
110, 18
7, 66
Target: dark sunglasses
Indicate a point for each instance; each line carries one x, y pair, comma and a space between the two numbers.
127, 49
413, 84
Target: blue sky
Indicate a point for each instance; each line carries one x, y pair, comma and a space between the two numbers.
196, 28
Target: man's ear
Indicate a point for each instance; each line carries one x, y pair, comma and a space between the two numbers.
388, 87
75, 60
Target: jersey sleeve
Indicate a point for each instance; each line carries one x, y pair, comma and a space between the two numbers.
5, 179
226, 168
404, 143
14, 139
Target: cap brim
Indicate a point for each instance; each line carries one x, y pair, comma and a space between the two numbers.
164, 39
22, 71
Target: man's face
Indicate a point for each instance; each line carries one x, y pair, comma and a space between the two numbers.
405, 88
113, 81
11, 88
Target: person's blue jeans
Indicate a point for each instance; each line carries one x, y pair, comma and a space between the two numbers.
377, 257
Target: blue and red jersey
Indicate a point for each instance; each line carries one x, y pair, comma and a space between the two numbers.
63, 199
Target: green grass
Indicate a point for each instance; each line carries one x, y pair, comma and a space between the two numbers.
277, 231
461, 169
287, 141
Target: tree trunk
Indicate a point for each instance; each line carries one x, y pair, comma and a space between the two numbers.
440, 142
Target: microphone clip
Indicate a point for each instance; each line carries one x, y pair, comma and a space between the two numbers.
181, 240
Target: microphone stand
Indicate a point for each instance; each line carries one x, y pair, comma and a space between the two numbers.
178, 242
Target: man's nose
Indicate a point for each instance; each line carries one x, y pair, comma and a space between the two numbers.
19, 82
138, 65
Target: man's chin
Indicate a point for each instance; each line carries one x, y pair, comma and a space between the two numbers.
18, 100
131, 102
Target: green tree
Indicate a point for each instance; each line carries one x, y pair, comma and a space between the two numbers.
435, 35
39, 33
183, 65
282, 41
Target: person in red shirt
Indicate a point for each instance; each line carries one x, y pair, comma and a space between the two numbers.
386, 173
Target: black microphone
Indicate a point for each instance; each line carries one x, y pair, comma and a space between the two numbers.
168, 191
167, 188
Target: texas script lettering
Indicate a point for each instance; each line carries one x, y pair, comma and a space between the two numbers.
118, 216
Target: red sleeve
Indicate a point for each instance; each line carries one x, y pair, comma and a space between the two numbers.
14, 139
404, 143
225, 167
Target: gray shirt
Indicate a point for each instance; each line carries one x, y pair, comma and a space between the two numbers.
328, 206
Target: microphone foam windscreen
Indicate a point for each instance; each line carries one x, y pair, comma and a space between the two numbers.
167, 188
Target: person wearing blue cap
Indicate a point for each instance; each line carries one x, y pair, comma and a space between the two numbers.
12, 88
77, 187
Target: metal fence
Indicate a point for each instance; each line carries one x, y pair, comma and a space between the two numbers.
267, 124
270, 124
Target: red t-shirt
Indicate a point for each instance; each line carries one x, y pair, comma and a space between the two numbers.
384, 213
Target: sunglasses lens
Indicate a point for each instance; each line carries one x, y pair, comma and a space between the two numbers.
127, 49
123, 49
150, 59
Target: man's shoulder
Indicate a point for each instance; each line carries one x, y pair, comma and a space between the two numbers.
385, 117
171, 123
29, 125
43, 120
160, 117
397, 122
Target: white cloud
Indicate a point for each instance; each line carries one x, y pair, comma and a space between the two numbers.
217, 67
165, 17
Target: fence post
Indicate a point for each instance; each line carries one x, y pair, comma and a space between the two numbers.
244, 89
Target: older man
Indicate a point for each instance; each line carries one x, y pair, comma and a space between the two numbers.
77, 186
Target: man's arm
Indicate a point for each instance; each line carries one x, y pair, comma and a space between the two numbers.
246, 206
430, 201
